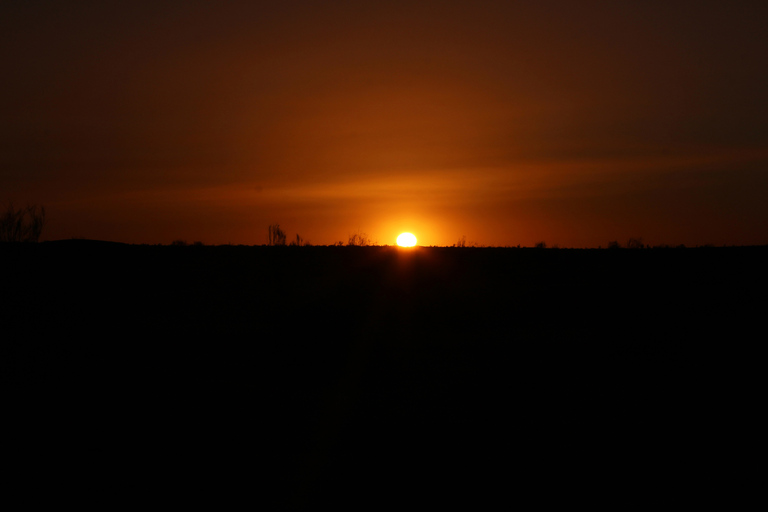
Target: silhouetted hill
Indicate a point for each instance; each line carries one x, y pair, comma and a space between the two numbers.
366, 374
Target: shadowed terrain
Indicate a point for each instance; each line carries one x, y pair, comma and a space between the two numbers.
364, 376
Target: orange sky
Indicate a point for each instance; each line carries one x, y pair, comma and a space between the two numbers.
576, 123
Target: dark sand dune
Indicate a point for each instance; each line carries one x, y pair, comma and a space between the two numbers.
373, 376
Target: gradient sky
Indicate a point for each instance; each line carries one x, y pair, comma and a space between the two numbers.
576, 123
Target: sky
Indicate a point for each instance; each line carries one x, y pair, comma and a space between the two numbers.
505, 122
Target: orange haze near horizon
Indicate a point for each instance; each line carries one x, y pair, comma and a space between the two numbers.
570, 123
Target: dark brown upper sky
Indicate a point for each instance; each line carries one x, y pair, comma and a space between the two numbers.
509, 122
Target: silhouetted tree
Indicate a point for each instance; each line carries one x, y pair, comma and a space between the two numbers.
22, 225
298, 242
635, 243
614, 245
462, 241
276, 235
541, 245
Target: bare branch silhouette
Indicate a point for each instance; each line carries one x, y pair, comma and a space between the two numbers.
276, 235
22, 225
359, 239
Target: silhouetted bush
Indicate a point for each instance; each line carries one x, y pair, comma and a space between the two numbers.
179, 243
276, 235
635, 243
541, 245
614, 245
359, 239
22, 225
298, 242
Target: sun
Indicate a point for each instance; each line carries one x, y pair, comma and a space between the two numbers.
406, 240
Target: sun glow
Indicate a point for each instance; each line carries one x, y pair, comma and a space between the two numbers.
406, 240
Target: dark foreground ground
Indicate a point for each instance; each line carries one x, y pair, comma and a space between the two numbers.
366, 377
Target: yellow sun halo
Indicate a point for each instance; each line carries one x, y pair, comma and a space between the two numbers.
406, 240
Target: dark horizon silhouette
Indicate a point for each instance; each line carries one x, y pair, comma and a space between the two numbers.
368, 376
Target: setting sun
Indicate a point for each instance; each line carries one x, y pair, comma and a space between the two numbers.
406, 240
